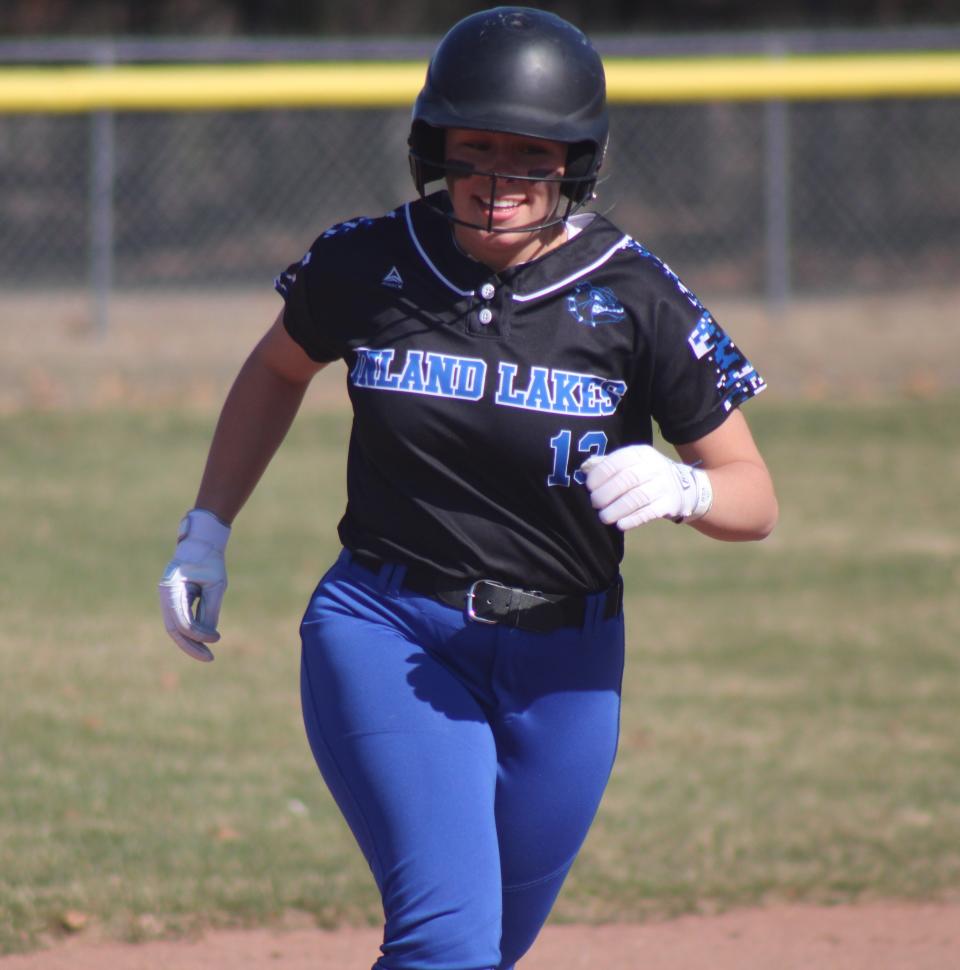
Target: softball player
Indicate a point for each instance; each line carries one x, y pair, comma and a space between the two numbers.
506, 356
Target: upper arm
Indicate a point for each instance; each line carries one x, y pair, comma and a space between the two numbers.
284, 357
732, 441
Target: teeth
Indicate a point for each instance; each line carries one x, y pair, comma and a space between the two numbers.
504, 205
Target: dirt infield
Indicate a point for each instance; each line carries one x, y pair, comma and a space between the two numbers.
869, 937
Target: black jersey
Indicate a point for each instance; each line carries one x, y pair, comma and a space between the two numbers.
477, 395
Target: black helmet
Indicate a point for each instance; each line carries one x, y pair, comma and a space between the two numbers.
520, 71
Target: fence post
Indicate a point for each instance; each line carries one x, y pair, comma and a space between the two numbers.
776, 150
100, 205
777, 202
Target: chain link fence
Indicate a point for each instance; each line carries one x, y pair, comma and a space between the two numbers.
756, 199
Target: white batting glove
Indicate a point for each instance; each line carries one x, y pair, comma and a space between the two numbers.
636, 484
192, 586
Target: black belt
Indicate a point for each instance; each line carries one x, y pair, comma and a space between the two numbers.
488, 601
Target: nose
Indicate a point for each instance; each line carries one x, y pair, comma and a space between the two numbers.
504, 160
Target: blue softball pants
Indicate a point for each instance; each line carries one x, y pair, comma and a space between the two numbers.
468, 759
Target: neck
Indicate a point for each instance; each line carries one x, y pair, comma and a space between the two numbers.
500, 251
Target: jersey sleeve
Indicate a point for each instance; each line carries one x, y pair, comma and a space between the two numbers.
300, 285
700, 375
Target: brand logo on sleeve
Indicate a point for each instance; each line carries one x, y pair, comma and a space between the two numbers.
393, 279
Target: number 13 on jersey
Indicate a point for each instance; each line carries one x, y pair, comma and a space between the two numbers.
591, 443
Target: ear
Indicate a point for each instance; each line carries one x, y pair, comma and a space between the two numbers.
427, 150
581, 162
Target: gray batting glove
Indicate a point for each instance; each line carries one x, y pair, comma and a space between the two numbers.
637, 484
192, 586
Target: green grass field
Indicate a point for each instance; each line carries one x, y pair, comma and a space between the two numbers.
791, 725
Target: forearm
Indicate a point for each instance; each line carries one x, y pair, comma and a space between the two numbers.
744, 503
255, 419
720, 486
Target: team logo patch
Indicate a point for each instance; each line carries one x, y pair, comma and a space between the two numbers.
593, 305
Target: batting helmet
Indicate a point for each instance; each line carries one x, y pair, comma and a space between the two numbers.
520, 71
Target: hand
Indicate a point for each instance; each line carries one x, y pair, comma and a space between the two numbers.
196, 576
636, 484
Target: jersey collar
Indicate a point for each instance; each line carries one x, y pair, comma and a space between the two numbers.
597, 242
432, 238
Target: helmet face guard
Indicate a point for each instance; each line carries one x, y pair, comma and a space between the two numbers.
520, 71
569, 185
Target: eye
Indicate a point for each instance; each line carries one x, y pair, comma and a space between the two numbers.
474, 144
546, 157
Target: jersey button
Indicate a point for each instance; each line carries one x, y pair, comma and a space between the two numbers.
487, 291
485, 315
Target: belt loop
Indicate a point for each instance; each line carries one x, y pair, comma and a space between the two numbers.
392, 576
591, 611
611, 603
383, 576
618, 593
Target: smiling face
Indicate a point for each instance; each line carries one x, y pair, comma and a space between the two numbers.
504, 203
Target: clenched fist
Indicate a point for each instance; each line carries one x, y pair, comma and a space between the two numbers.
637, 484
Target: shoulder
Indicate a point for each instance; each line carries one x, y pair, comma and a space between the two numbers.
360, 232
600, 245
339, 251
605, 259
657, 274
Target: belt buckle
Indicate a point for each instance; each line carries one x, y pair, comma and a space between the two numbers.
471, 595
